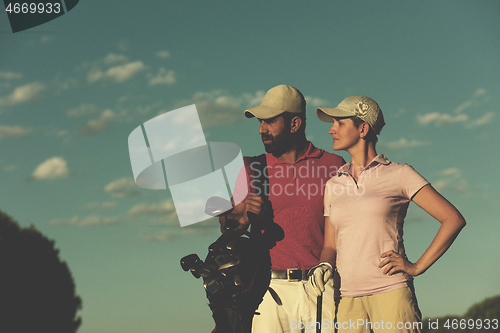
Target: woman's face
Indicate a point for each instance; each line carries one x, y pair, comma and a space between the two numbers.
345, 133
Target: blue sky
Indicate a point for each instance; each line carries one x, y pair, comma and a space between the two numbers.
73, 89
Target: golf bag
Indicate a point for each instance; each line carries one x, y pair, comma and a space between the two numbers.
236, 271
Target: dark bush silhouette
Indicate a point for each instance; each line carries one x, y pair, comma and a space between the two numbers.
474, 319
37, 292
487, 309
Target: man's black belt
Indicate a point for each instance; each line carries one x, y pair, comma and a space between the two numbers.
291, 274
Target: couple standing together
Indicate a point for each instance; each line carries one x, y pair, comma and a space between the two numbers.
345, 240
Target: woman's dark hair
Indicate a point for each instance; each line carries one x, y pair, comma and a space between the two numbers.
370, 136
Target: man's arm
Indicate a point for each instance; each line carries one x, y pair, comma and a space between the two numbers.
254, 204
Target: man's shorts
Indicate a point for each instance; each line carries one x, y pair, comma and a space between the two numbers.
290, 307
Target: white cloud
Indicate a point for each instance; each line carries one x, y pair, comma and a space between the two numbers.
101, 205
400, 113
441, 118
441, 184
165, 213
482, 121
453, 172
480, 92
123, 187
227, 101
27, 93
474, 101
315, 101
10, 75
217, 107
62, 134
403, 143
163, 77
113, 58
210, 226
55, 167
14, 131
163, 54
98, 124
123, 45
160, 237
450, 180
165, 207
85, 221
125, 72
117, 74
463, 106
254, 99
63, 83
82, 110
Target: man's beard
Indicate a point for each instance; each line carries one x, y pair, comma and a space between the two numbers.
280, 143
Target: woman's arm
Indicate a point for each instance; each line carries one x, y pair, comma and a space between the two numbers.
329, 252
451, 223
321, 273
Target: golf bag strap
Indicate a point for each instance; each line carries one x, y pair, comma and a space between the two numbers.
261, 178
260, 186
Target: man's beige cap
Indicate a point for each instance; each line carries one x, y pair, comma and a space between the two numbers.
362, 107
278, 100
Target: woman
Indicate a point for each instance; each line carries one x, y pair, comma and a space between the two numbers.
365, 206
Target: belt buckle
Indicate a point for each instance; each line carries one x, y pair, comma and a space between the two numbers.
294, 274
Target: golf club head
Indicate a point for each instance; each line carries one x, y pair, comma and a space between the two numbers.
239, 287
237, 280
232, 245
207, 270
192, 263
212, 286
228, 265
239, 247
231, 225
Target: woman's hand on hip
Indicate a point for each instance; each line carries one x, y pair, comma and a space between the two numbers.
396, 263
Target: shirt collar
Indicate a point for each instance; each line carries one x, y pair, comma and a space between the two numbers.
311, 152
379, 159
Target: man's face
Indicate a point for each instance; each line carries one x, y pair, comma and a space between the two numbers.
275, 135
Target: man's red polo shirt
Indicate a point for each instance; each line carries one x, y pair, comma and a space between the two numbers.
296, 194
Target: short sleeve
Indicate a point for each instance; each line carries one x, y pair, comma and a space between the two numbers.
411, 181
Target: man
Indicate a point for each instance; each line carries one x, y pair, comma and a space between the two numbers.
298, 172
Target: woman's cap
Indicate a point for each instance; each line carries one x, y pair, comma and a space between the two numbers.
362, 107
278, 100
